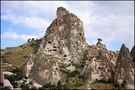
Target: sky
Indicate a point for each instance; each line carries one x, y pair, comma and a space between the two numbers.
113, 21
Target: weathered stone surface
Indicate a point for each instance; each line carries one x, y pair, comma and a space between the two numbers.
1, 77
8, 84
124, 71
99, 63
64, 55
28, 66
5, 82
64, 37
45, 70
133, 53
63, 43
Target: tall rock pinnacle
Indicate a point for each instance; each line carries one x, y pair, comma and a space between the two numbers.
63, 43
64, 36
124, 71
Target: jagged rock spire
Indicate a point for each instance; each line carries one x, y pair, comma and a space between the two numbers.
124, 71
124, 53
64, 41
64, 36
61, 11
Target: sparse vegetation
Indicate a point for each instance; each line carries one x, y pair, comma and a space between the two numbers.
59, 86
18, 56
102, 86
17, 75
5, 88
25, 87
70, 74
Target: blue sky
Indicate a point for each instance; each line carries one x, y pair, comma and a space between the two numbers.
113, 21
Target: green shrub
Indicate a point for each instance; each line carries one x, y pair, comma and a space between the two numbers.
18, 74
5, 88
25, 87
59, 86
33, 88
15, 77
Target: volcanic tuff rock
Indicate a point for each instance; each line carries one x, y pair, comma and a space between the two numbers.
64, 37
64, 55
133, 53
45, 69
64, 40
124, 71
1, 77
99, 63
3, 81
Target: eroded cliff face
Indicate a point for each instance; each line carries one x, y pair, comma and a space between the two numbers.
124, 70
45, 70
99, 63
64, 37
64, 55
133, 53
62, 44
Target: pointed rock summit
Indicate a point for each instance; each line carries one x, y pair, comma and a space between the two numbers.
124, 71
124, 54
63, 43
64, 37
63, 55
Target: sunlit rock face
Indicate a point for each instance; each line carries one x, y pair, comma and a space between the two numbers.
3, 81
63, 51
64, 37
45, 70
28, 66
99, 63
124, 71
63, 43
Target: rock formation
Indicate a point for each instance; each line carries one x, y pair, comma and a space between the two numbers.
99, 63
4, 82
63, 43
28, 66
133, 53
1, 77
64, 37
124, 71
45, 69
63, 55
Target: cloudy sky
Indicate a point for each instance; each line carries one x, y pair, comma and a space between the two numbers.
113, 21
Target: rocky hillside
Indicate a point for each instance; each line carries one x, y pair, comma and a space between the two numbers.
19, 56
63, 60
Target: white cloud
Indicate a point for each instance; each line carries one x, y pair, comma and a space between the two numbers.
32, 8
32, 22
15, 36
111, 29
112, 21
